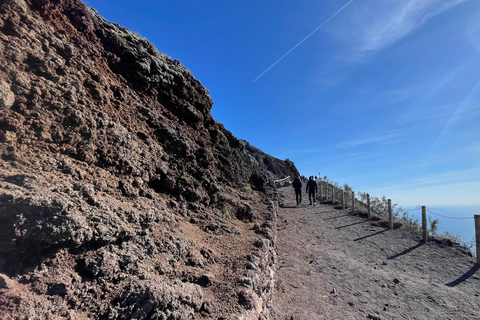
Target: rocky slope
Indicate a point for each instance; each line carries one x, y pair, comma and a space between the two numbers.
120, 196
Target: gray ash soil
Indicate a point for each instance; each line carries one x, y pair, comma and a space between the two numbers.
336, 265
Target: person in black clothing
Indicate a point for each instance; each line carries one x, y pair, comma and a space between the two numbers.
297, 185
311, 189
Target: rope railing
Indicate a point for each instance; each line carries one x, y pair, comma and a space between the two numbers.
324, 193
282, 180
459, 218
327, 189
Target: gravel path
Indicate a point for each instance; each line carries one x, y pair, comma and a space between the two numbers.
335, 265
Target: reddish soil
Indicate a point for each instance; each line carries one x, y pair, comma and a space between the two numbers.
335, 265
120, 196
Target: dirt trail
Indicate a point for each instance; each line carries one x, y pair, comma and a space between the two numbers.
335, 265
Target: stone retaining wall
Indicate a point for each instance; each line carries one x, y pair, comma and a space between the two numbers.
257, 286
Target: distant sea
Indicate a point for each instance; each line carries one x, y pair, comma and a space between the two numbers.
465, 227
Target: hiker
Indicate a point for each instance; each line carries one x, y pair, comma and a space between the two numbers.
311, 189
297, 185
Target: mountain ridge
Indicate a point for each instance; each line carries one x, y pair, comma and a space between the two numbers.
120, 195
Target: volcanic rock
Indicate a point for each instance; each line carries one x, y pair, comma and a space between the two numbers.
108, 150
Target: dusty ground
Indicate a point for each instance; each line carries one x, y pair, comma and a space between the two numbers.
334, 265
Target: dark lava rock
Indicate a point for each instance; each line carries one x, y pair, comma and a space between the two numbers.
106, 145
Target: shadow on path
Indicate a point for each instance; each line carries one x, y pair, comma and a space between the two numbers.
463, 278
352, 224
345, 215
418, 245
370, 235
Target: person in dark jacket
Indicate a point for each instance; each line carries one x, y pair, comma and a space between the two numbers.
311, 189
297, 185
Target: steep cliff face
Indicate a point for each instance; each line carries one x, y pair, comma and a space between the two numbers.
120, 195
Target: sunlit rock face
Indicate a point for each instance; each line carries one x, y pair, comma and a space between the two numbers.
107, 149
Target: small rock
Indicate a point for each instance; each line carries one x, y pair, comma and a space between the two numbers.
245, 282
396, 281
250, 266
204, 281
261, 243
209, 255
373, 317
7, 97
8, 136
248, 300
58, 289
207, 307
351, 304
334, 291
3, 283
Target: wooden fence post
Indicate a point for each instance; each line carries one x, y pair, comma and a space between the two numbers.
368, 207
424, 223
321, 192
390, 215
343, 199
353, 201
477, 235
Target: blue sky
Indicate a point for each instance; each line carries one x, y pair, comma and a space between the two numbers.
382, 95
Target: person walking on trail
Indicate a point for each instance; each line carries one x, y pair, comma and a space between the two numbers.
297, 185
311, 189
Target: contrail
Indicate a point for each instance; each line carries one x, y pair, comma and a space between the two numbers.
311, 33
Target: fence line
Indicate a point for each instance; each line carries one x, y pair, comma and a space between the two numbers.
459, 218
282, 180
390, 215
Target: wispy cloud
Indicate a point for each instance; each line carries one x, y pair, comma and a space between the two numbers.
378, 24
435, 181
446, 178
369, 140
